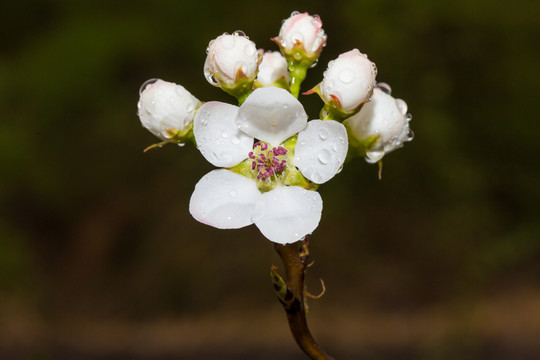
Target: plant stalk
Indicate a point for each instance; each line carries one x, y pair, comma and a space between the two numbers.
295, 261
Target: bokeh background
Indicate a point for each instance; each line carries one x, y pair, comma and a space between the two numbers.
100, 258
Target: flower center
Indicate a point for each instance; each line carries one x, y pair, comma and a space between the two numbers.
267, 162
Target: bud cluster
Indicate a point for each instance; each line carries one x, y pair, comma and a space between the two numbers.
376, 122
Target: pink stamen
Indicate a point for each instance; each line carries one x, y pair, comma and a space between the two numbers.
267, 162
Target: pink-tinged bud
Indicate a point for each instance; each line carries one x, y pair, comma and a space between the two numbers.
304, 31
382, 125
165, 107
273, 68
349, 81
231, 60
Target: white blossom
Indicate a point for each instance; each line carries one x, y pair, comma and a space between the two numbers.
225, 135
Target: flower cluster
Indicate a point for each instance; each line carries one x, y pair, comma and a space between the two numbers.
271, 158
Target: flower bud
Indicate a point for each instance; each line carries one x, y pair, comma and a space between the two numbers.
273, 70
348, 81
301, 35
381, 125
166, 108
231, 61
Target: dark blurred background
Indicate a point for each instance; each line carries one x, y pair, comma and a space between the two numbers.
100, 258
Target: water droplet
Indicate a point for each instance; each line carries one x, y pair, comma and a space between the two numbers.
181, 144
229, 218
235, 140
239, 33
375, 71
294, 13
408, 117
139, 105
146, 83
346, 75
297, 56
314, 63
324, 156
189, 107
339, 170
335, 147
224, 134
402, 106
210, 77
204, 122
384, 87
232, 193
303, 143
323, 134
296, 235
410, 135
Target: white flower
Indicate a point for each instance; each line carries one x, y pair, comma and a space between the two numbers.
273, 68
383, 122
229, 58
165, 107
225, 135
302, 30
349, 80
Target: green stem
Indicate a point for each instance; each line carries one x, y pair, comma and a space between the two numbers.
298, 74
295, 262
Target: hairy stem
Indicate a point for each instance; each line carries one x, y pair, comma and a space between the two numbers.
295, 262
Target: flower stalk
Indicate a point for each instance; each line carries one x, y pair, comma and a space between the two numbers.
295, 261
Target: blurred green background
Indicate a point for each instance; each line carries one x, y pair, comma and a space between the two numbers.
100, 258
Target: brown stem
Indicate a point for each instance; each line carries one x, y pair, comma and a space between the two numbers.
295, 261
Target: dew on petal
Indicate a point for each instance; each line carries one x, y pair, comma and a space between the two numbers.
384, 87
346, 75
239, 33
408, 117
146, 83
402, 106
323, 134
324, 156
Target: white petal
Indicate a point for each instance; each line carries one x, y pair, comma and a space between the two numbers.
218, 138
272, 115
288, 213
321, 150
224, 199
